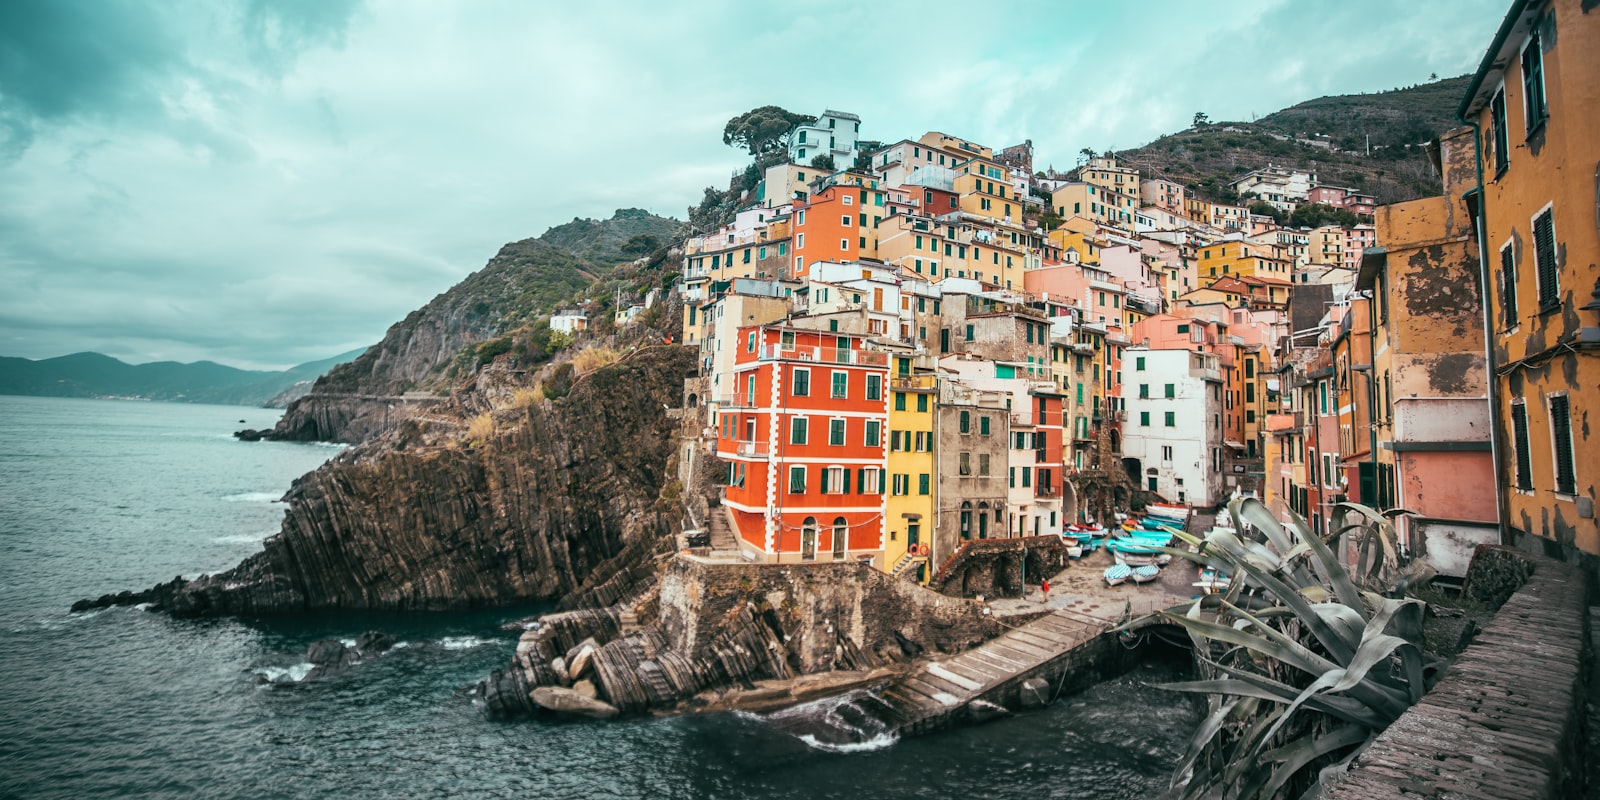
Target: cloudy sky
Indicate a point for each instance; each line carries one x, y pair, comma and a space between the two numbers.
266, 182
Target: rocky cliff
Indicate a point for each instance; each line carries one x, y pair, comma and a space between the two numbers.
523, 282
538, 500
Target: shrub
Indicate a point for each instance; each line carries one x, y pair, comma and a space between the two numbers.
592, 358
1310, 663
481, 428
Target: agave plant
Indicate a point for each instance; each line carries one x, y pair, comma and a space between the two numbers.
1306, 663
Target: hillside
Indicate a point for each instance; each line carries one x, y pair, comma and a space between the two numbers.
1329, 136
97, 375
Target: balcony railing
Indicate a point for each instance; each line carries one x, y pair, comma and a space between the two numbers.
752, 449
824, 355
1047, 492
913, 382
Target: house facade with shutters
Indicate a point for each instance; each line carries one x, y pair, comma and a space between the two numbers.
1535, 103
805, 441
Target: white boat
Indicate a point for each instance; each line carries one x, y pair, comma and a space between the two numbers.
1145, 574
1178, 513
1212, 582
1117, 573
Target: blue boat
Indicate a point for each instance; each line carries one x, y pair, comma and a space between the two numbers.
1145, 574
1117, 573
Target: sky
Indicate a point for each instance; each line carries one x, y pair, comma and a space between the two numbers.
267, 182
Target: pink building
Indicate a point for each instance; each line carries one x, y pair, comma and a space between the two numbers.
1356, 241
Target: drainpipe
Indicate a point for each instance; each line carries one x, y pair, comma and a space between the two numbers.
1496, 448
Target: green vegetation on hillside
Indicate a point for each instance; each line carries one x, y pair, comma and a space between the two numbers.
1329, 136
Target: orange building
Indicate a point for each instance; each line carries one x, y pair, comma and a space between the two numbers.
806, 445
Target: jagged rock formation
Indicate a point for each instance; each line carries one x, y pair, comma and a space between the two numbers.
521, 283
562, 499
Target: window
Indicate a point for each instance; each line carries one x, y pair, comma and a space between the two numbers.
1508, 286
1544, 252
844, 244
1561, 435
1172, 391
899, 401
750, 342
1519, 434
1144, 419
965, 465
922, 403
869, 481
983, 425
922, 484
969, 333
835, 432
802, 383
797, 480
797, 430
1138, 363
1166, 452
841, 532
900, 485
1502, 138
874, 387
966, 422
983, 464
874, 433
1027, 475
1172, 419
1144, 391
835, 480
1533, 105
841, 384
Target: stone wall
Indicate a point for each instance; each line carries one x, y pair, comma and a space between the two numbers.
1507, 719
1000, 567
824, 610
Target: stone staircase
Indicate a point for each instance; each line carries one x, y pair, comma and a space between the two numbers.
906, 564
723, 539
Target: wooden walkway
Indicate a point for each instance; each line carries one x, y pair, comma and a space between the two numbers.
936, 690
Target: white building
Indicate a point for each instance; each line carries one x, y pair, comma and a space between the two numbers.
834, 134
569, 321
1172, 435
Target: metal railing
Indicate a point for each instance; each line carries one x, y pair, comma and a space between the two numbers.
824, 355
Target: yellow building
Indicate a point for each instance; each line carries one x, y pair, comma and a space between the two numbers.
1242, 257
985, 190
1535, 102
911, 502
1095, 203
1325, 246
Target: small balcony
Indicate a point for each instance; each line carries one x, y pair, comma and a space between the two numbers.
824, 355
914, 383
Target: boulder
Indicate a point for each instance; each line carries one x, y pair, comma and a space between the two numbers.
983, 711
528, 642
585, 688
581, 662
1035, 693
568, 701
374, 642
328, 657
559, 667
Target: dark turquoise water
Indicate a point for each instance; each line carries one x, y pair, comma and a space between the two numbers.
99, 496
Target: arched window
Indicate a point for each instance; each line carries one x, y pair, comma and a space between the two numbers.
966, 519
841, 538
808, 539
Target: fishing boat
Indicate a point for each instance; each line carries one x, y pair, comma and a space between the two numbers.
1117, 573
1145, 574
1074, 547
1212, 581
1178, 514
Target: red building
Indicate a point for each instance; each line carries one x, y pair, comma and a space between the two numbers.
805, 440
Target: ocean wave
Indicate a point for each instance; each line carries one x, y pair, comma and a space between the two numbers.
243, 538
290, 674
879, 742
463, 642
253, 497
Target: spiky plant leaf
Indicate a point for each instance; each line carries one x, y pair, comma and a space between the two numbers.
1297, 754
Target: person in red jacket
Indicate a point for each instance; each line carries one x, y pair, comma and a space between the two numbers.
1044, 588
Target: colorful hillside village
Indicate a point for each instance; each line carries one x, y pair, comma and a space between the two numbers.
940, 344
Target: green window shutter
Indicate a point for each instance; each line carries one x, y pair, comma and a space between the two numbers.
1144, 418
1544, 248
845, 488
1519, 431
922, 483
1561, 428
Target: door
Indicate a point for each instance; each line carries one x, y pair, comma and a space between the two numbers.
808, 540
841, 537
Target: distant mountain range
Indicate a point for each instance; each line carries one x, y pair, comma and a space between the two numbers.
97, 375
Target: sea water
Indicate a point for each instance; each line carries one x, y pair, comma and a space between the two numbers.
99, 496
